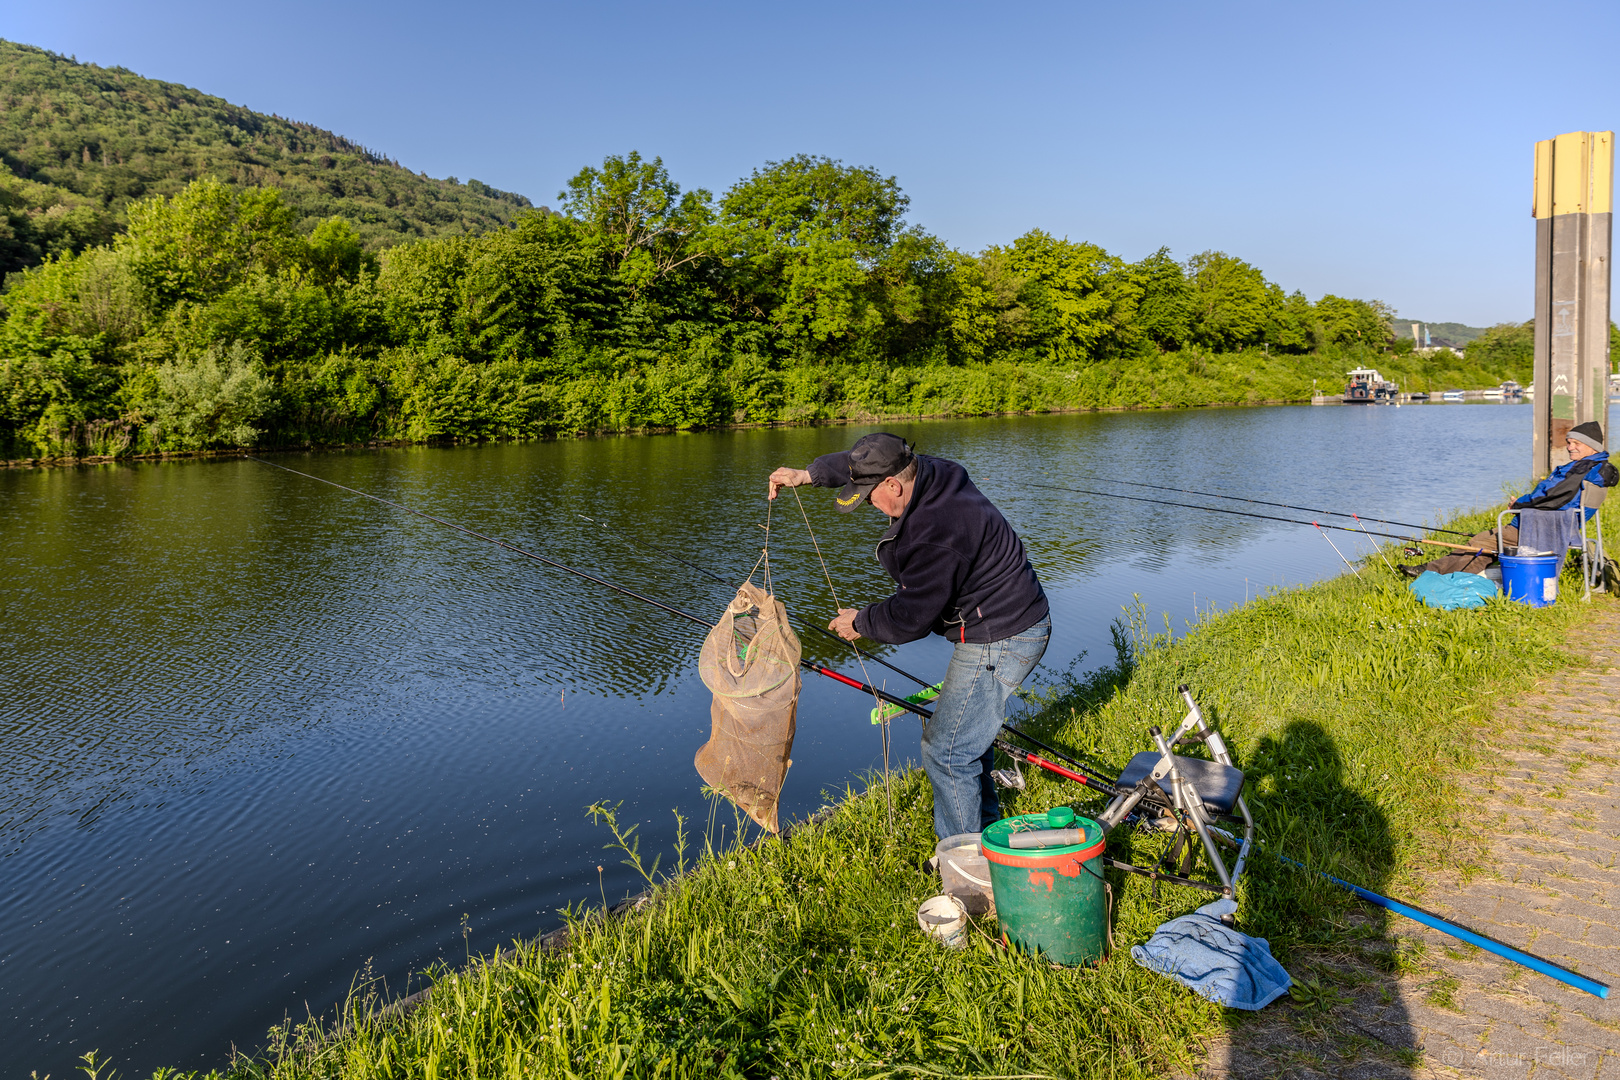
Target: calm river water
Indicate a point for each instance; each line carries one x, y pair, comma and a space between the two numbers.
258, 734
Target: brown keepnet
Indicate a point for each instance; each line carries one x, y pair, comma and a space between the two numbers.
751, 663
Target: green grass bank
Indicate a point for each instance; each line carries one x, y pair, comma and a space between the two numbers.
1351, 707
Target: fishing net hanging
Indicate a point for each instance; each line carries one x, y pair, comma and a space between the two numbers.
751, 663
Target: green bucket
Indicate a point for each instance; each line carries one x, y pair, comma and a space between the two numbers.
1050, 900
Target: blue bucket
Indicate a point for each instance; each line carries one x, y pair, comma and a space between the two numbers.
1531, 579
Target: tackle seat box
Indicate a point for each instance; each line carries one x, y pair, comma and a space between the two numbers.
1218, 785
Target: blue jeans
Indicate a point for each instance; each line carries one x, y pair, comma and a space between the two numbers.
972, 705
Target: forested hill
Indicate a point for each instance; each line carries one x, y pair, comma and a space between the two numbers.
80, 142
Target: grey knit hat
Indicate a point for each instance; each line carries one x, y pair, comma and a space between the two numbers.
1589, 433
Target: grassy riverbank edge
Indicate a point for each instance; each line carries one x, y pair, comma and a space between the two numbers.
1351, 707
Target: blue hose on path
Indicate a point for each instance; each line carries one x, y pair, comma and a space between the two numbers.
1445, 926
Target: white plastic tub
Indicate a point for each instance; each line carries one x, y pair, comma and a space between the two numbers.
965, 872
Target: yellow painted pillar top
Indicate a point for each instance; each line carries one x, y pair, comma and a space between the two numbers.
1574, 174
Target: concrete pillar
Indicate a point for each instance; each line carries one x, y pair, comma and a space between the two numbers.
1574, 193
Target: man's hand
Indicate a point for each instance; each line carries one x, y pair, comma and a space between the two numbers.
844, 625
786, 477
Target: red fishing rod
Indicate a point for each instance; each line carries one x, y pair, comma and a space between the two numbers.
1018, 753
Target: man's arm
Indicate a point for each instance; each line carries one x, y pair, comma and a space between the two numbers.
828, 470
785, 477
926, 587
1556, 492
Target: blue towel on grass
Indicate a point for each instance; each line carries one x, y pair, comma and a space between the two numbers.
1452, 591
1214, 960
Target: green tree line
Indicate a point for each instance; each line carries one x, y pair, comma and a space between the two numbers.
801, 293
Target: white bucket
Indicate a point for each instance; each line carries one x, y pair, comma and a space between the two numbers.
965, 873
944, 919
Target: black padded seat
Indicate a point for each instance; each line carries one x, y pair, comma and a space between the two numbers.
1218, 785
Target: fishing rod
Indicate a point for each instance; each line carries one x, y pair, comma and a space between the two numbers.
1268, 517
804, 624
1091, 770
1029, 757
1462, 933
1446, 926
1263, 502
882, 695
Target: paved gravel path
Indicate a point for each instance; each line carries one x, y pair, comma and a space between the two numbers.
1548, 816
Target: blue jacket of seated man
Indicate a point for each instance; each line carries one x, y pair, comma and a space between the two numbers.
1562, 486
961, 569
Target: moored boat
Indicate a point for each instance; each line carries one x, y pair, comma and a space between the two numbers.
1367, 387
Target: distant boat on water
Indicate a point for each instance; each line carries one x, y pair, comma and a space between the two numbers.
1452, 395
1367, 387
1512, 389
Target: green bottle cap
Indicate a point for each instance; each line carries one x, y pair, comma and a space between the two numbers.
1059, 818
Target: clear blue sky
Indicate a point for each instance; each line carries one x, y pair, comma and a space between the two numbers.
1373, 150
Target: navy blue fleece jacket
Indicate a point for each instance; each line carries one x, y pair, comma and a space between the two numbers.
961, 569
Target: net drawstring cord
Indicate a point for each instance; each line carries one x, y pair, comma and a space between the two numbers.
838, 605
712, 576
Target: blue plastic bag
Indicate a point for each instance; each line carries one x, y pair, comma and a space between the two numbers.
1452, 591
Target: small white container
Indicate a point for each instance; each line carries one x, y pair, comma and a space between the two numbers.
944, 919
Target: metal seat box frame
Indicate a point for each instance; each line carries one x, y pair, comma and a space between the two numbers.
1194, 792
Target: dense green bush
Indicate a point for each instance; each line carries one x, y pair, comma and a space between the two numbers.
209, 400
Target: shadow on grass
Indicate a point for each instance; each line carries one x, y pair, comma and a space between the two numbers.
1345, 1015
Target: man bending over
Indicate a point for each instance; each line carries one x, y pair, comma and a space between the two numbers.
962, 573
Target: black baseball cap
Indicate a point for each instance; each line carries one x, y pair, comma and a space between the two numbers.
873, 459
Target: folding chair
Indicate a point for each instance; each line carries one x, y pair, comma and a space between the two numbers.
1161, 788
1593, 559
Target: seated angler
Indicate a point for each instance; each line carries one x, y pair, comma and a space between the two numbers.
1588, 464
